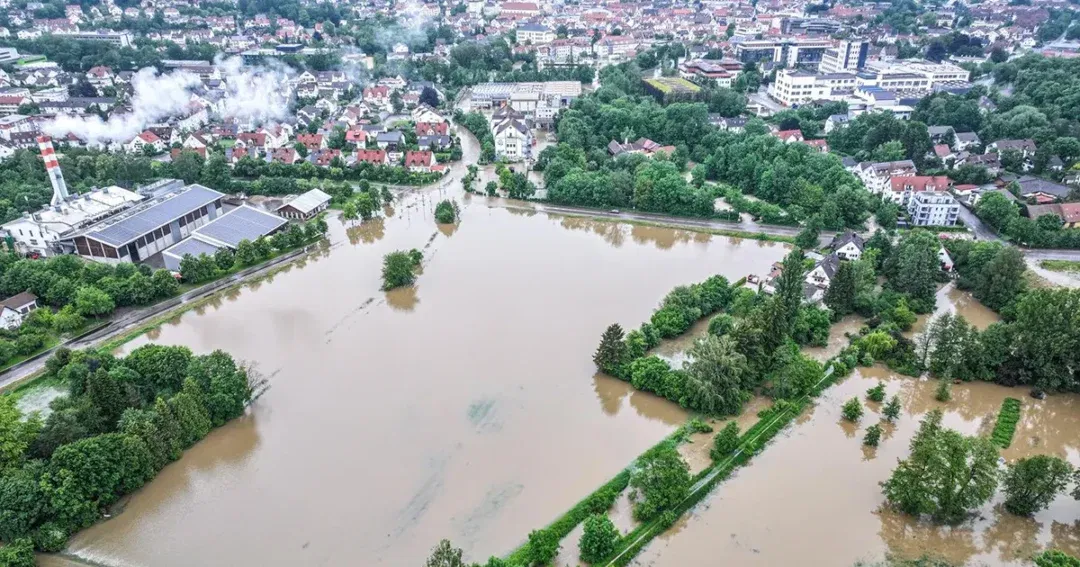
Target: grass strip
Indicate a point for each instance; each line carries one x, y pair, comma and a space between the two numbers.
563, 525
1007, 419
1060, 265
772, 421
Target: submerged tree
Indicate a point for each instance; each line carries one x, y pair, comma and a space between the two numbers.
399, 268
662, 480
852, 410
445, 555
873, 436
725, 442
946, 475
1031, 484
446, 212
599, 538
612, 350
891, 411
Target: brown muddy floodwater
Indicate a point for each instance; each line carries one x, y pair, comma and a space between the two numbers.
812, 497
464, 408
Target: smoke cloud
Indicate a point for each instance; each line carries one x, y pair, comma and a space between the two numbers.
255, 94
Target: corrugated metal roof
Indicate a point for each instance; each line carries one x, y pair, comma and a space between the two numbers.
145, 219
241, 223
308, 201
192, 246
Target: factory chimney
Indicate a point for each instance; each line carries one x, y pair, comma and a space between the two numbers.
52, 167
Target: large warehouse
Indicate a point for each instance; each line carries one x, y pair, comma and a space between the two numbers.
148, 228
226, 231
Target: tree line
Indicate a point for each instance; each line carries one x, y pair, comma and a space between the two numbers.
753, 346
1046, 231
122, 421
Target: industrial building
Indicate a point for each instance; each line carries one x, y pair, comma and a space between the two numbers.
42, 233
151, 227
226, 231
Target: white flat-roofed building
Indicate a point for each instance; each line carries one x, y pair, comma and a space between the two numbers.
933, 208
41, 232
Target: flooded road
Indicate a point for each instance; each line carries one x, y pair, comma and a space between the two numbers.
463, 408
812, 498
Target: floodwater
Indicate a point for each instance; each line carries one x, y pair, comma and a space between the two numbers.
812, 498
465, 407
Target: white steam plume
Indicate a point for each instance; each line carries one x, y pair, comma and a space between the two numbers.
156, 97
255, 94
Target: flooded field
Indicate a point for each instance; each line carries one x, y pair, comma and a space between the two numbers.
463, 408
812, 498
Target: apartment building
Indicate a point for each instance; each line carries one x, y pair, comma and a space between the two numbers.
933, 208
849, 56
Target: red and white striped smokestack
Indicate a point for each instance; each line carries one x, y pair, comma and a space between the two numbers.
52, 167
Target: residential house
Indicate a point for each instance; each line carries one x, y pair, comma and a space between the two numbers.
513, 140
419, 161
966, 141
313, 142
1041, 190
436, 142
877, 176
848, 246
641, 146
790, 136
432, 128
394, 138
14, 308
903, 187
374, 157
147, 138
1069, 213
287, 156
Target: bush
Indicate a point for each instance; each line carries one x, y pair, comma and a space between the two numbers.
598, 540
944, 391
18, 553
725, 442
7, 350
543, 547
1007, 419
50, 538
873, 436
29, 343
852, 410
877, 393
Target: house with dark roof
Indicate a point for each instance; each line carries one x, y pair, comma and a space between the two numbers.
848, 246
14, 308
1032, 187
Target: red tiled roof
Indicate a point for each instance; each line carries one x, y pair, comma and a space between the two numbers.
371, 156
421, 158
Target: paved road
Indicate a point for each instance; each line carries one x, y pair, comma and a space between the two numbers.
982, 230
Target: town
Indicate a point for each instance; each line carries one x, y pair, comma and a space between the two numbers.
243, 235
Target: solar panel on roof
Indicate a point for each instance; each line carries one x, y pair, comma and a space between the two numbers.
155, 216
241, 223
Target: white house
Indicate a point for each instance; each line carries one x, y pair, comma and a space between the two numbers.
14, 308
513, 140
147, 138
848, 246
